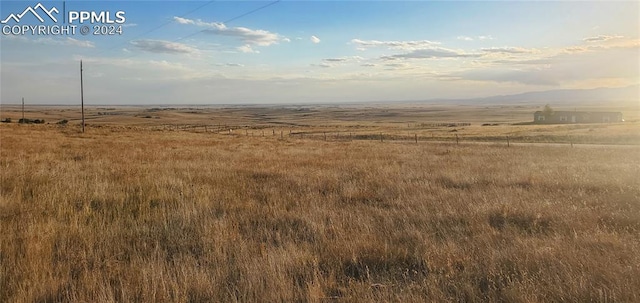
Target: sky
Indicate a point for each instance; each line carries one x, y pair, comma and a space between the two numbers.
259, 52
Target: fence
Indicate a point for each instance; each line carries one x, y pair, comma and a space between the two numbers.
341, 135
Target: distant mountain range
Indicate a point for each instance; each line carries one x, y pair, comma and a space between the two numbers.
559, 97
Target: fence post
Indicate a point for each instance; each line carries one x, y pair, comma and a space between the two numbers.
508, 144
416, 138
457, 140
381, 138
281, 135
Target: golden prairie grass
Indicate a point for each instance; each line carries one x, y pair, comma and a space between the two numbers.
401, 121
116, 215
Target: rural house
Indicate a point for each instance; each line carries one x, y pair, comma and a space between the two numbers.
561, 117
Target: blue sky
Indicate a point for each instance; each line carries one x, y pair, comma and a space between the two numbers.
213, 52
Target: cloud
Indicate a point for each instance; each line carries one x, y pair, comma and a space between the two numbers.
230, 64
467, 38
431, 53
333, 62
508, 50
603, 43
562, 66
600, 38
162, 46
324, 65
246, 35
397, 65
343, 59
502, 75
575, 49
247, 49
405, 45
315, 39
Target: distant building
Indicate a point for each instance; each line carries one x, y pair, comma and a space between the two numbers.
562, 117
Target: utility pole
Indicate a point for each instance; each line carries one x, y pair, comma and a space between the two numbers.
82, 96
23, 110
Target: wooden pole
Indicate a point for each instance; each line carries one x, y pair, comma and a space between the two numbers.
82, 96
416, 138
23, 110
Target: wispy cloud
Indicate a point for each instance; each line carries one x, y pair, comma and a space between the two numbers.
315, 39
247, 49
230, 64
404, 45
432, 53
344, 59
468, 38
509, 50
162, 46
324, 65
341, 61
601, 38
246, 35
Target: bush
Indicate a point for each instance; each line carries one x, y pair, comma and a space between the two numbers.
6, 120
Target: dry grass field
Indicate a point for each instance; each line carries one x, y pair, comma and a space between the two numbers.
133, 212
401, 121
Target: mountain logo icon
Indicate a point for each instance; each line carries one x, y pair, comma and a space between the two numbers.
34, 11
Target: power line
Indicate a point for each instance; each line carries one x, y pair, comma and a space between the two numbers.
231, 20
251, 12
171, 21
200, 31
158, 27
